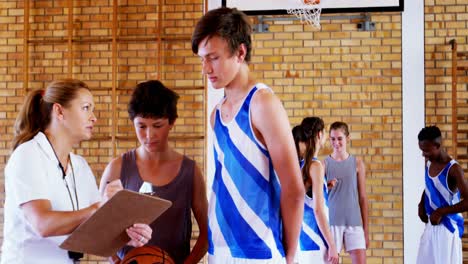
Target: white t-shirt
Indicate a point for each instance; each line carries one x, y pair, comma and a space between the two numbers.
32, 173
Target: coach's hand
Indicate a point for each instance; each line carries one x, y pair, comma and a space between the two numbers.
436, 216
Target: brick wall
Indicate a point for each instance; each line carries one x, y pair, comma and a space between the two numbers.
338, 73
444, 21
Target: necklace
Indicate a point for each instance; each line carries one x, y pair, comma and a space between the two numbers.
74, 188
64, 175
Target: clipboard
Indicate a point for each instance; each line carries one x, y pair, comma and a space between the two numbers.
103, 233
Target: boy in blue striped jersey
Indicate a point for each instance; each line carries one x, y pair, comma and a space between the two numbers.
440, 202
256, 206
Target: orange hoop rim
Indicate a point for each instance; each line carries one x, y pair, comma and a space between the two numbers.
311, 2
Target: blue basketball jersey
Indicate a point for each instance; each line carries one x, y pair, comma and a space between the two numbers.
438, 194
244, 210
311, 238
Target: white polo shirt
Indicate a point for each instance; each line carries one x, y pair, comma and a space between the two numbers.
32, 173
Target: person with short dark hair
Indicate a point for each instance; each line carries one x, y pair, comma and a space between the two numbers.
441, 204
156, 167
256, 206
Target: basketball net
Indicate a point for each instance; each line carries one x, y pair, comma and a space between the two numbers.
308, 12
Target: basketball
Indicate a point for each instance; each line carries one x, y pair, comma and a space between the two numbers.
147, 255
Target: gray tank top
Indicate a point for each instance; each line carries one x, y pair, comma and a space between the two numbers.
343, 198
172, 230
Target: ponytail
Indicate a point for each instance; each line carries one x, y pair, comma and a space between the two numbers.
311, 127
35, 114
33, 117
298, 136
308, 156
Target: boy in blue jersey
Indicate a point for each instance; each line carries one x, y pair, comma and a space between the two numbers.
251, 218
440, 202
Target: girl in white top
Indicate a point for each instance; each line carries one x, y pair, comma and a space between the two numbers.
49, 191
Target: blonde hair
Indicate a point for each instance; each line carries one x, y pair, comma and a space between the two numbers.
340, 125
34, 115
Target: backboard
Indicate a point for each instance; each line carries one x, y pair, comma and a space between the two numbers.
277, 7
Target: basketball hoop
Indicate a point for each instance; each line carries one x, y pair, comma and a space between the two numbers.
308, 12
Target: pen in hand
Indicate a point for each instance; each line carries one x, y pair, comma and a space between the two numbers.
111, 188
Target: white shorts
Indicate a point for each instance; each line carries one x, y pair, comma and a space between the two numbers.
439, 245
223, 259
352, 236
312, 256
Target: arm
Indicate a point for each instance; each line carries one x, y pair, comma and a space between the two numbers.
200, 211
361, 185
271, 125
422, 210
30, 188
455, 175
47, 222
110, 174
317, 176
110, 184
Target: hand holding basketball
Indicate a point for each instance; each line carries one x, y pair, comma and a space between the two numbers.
139, 234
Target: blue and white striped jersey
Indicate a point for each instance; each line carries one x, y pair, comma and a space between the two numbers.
244, 210
311, 238
438, 194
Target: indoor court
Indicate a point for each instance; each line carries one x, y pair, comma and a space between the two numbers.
387, 68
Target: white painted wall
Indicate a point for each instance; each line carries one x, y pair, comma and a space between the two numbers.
413, 121
213, 97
